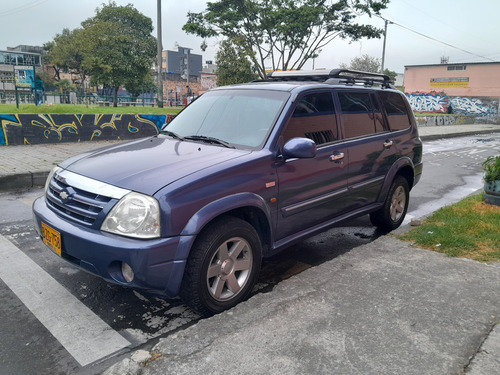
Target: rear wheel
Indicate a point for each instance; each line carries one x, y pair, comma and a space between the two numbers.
393, 212
222, 267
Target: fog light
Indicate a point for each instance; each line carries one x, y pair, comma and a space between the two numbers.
127, 272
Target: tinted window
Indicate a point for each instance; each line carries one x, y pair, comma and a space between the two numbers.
313, 118
395, 109
360, 115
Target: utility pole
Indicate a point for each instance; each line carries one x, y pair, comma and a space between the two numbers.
160, 55
187, 80
383, 49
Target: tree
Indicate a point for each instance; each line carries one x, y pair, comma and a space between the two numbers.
364, 63
367, 63
284, 34
136, 85
119, 47
66, 53
233, 66
391, 74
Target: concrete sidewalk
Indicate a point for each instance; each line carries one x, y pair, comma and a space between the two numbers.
382, 308
27, 166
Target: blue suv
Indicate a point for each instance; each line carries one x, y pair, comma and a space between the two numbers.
242, 173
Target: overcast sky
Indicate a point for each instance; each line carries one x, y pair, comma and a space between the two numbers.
422, 33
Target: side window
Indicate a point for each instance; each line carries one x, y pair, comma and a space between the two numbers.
359, 114
395, 109
313, 118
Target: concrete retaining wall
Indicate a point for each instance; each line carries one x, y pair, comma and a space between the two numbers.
455, 120
19, 129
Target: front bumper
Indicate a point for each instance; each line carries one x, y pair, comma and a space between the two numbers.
155, 263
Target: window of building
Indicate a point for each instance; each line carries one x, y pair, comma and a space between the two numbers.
457, 67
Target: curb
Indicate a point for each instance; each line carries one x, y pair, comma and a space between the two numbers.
23, 181
434, 137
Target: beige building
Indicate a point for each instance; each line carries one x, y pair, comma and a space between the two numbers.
465, 88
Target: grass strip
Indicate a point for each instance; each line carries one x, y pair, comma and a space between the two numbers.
84, 109
467, 229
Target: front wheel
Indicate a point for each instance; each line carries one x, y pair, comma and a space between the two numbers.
222, 267
393, 212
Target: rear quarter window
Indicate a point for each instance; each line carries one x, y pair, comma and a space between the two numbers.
395, 109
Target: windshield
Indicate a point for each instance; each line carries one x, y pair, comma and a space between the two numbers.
236, 117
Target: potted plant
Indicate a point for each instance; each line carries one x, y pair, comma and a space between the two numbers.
491, 168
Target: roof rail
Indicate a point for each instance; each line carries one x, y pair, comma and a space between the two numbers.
334, 76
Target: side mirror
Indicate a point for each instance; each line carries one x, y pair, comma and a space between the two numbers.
301, 148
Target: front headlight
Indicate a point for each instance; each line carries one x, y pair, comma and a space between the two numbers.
49, 177
135, 215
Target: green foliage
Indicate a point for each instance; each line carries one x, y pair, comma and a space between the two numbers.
284, 34
84, 109
491, 167
367, 63
115, 47
136, 85
65, 86
48, 80
364, 63
232, 64
119, 46
391, 74
65, 53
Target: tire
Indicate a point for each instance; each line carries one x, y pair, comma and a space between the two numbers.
222, 267
393, 212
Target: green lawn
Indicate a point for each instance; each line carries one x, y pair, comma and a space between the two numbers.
468, 229
83, 109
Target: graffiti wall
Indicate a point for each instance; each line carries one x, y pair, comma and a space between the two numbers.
54, 128
440, 102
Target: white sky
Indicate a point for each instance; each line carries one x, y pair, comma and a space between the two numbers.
471, 26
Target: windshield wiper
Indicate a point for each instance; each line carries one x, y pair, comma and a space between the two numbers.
206, 139
172, 134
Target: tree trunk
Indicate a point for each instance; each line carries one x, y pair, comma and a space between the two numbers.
115, 98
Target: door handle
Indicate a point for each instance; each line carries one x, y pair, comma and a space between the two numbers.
388, 143
337, 157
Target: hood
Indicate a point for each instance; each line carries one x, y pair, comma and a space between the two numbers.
148, 165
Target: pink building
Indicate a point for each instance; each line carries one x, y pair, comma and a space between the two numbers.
468, 88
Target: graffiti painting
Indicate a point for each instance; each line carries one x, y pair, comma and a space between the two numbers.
440, 102
53, 128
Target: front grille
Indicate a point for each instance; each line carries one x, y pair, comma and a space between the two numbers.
74, 203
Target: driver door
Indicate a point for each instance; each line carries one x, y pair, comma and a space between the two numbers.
314, 190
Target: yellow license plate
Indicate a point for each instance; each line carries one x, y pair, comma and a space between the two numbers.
51, 238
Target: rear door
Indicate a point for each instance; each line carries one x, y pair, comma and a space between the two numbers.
370, 146
312, 190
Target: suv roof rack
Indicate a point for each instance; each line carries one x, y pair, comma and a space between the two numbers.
334, 76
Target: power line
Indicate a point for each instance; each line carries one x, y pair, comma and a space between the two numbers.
436, 40
22, 8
